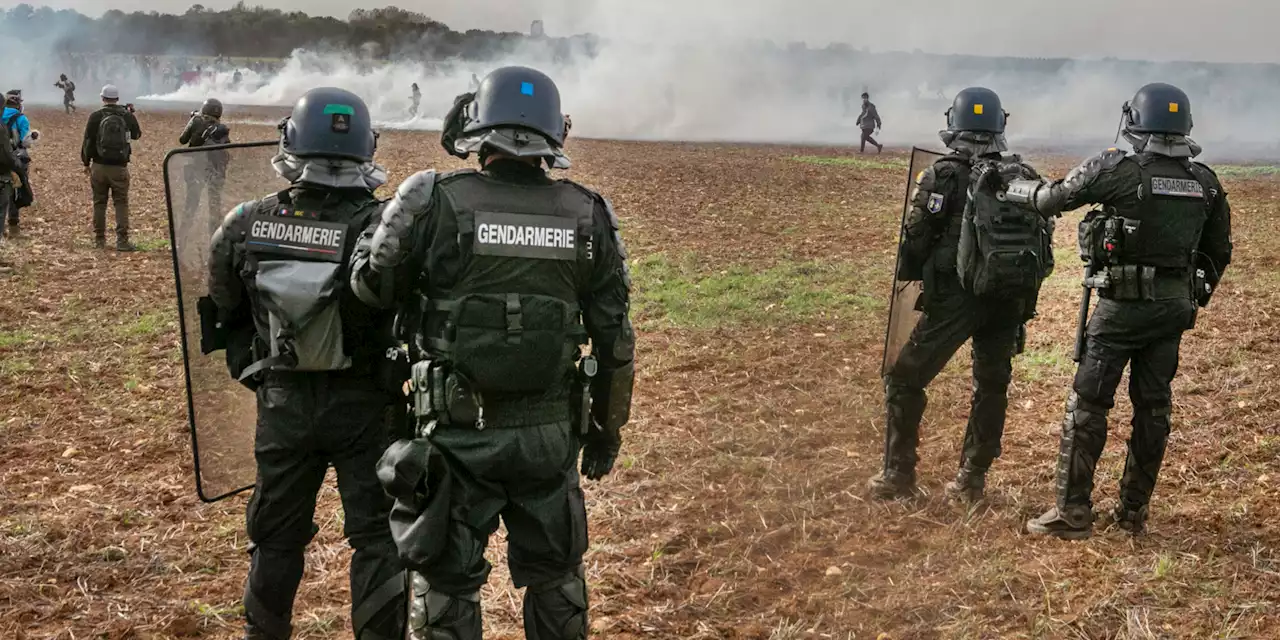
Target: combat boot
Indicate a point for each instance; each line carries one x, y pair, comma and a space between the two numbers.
1131, 520
969, 486
14, 230
99, 242
123, 245
1071, 523
892, 485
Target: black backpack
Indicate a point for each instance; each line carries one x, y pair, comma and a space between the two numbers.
1005, 250
113, 137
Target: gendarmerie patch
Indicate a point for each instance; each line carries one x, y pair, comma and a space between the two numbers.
1177, 188
936, 202
518, 235
298, 237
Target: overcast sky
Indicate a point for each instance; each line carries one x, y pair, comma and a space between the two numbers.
1221, 30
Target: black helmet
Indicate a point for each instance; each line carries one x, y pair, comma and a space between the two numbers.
978, 110
1158, 108
329, 123
212, 108
517, 97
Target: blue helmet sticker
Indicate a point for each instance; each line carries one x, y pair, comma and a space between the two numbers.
526, 88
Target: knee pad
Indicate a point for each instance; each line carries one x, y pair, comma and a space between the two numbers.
557, 610
434, 615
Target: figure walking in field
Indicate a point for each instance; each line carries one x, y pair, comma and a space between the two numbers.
869, 122
967, 293
415, 100
504, 322
106, 153
68, 93
1155, 252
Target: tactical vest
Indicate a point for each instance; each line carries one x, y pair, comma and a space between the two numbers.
296, 270
1163, 230
510, 264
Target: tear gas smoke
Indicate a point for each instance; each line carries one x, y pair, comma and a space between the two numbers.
711, 71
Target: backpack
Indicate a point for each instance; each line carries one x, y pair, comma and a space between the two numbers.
299, 273
113, 137
1005, 251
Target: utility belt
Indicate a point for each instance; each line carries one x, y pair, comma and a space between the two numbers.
1132, 282
444, 397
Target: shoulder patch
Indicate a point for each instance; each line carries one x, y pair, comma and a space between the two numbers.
936, 202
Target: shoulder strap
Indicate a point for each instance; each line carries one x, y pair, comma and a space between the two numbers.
1207, 181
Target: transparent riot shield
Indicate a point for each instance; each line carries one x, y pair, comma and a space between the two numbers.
906, 293
201, 186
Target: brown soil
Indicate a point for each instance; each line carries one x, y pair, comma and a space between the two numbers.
738, 511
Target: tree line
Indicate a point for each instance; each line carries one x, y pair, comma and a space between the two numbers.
251, 31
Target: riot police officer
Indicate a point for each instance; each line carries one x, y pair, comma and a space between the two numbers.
316, 351
1160, 243
953, 313
206, 171
517, 271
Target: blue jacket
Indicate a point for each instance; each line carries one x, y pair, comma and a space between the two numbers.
23, 125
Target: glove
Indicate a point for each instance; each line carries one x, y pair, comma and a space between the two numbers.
600, 451
454, 121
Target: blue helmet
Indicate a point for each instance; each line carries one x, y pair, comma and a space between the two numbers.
977, 110
329, 123
1158, 108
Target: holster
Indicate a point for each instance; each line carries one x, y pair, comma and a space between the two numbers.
213, 330
416, 475
444, 397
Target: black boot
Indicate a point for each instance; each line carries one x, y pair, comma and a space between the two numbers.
904, 407
99, 241
1132, 520
969, 486
123, 245
1072, 523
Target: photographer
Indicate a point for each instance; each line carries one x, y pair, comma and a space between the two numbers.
105, 154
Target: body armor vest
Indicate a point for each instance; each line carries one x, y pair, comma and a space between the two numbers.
506, 268
296, 271
1163, 230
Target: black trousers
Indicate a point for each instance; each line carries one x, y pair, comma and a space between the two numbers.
307, 422
528, 478
952, 316
1146, 337
866, 137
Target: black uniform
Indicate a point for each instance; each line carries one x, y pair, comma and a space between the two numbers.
952, 315
1175, 221
311, 419
205, 171
556, 244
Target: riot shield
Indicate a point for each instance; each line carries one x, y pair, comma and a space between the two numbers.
201, 185
906, 293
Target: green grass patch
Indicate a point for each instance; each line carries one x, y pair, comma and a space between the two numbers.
677, 292
152, 244
856, 163
1247, 171
13, 367
1037, 363
15, 338
146, 325
213, 612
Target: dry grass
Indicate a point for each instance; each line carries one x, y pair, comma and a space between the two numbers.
738, 509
